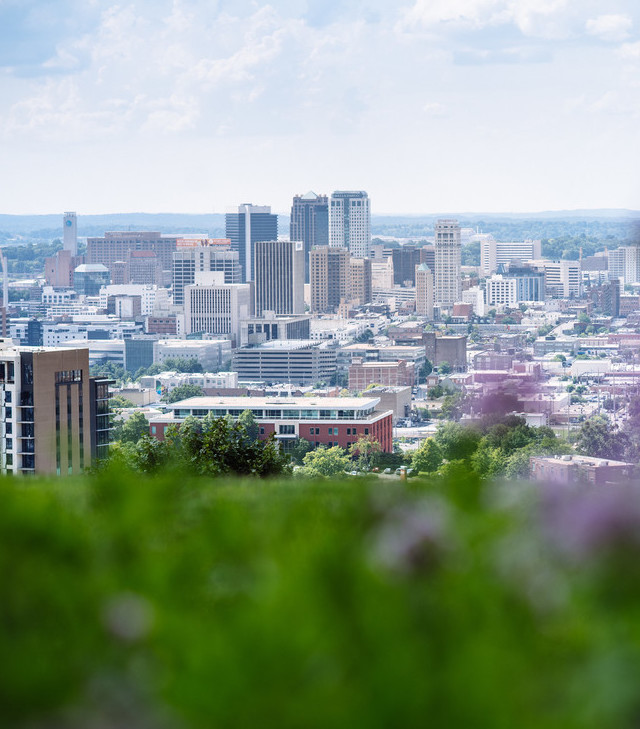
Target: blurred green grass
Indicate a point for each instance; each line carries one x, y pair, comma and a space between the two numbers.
166, 601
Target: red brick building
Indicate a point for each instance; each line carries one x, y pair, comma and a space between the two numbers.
328, 421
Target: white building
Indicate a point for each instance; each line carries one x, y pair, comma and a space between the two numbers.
212, 354
494, 253
214, 307
475, 297
146, 292
624, 264
350, 222
279, 277
447, 282
424, 291
563, 279
501, 291
382, 274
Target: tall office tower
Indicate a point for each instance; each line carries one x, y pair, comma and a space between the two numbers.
70, 233
405, 260
310, 223
203, 258
350, 222
360, 281
250, 224
447, 284
278, 270
615, 263
494, 253
115, 246
424, 291
428, 256
55, 417
214, 307
329, 272
624, 263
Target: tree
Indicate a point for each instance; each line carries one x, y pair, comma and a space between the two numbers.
182, 392
247, 420
428, 458
210, 447
134, 428
425, 371
118, 401
367, 452
456, 441
598, 438
444, 368
326, 461
300, 450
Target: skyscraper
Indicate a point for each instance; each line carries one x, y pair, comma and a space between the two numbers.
360, 281
279, 277
424, 291
447, 284
350, 222
329, 272
214, 307
250, 224
70, 233
188, 261
310, 223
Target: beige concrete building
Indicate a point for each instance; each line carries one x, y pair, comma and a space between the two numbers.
447, 283
329, 273
424, 291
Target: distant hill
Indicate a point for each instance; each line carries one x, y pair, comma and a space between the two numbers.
601, 223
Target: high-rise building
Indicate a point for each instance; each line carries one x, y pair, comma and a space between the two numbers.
501, 291
360, 281
494, 253
89, 278
624, 263
530, 284
424, 291
115, 246
563, 279
250, 224
350, 222
448, 252
203, 258
55, 417
405, 260
214, 307
329, 271
279, 277
70, 233
310, 223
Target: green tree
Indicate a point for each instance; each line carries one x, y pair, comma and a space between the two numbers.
182, 392
598, 438
425, 371
366, 450
326, 461
428, 458
456, 441
247, 420
444, 368
134, 428
118, 401
300, 450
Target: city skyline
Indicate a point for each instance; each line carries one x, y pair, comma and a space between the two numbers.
474, 105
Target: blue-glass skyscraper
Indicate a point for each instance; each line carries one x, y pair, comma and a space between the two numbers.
310, 223
250, 224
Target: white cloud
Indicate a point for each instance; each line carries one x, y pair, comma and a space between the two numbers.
629, 51
609, 27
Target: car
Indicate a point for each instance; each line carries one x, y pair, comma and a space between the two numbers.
388, 471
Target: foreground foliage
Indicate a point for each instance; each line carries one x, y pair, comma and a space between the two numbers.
133, 601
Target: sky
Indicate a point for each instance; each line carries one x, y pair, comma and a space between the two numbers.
432, 106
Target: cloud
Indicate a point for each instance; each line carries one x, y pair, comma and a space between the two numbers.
629, 51
611, 28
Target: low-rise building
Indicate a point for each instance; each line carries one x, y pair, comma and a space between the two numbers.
323, 421
394, 374
571, 469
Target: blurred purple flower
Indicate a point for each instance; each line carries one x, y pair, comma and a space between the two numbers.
412, 538
586, 521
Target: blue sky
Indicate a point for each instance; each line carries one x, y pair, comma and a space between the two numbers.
430, 105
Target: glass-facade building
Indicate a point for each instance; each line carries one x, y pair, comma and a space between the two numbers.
310, 223
250, 224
